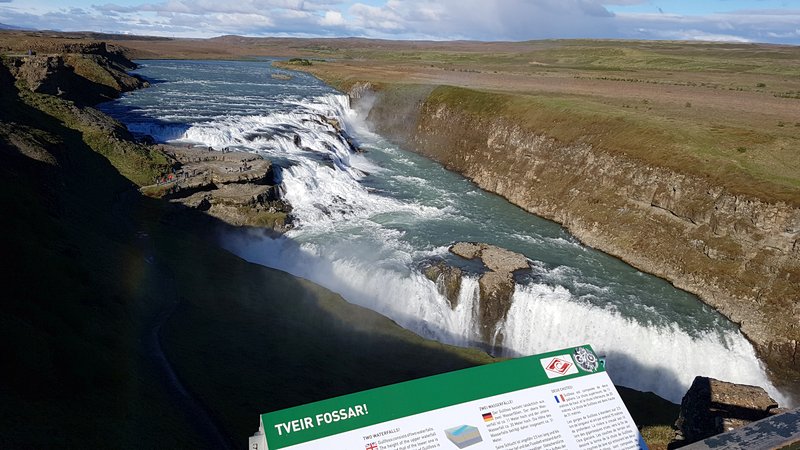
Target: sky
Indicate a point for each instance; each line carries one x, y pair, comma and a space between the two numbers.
774, 21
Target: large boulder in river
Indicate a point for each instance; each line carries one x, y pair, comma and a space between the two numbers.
496, 259
496, 285
239, 188
496, 292
711, 407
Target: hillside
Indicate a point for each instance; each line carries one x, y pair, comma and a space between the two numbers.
128, 325
125, 328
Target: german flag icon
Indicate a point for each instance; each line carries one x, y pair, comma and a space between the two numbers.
488, 417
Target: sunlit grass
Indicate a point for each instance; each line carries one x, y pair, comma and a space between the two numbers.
682, 144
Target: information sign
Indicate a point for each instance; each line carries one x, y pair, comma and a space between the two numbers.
556, 400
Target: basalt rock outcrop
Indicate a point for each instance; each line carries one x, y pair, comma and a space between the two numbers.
239, 188
351, 142
496, 284
101, 133
711, 407
447, 279
740, 254
85, 74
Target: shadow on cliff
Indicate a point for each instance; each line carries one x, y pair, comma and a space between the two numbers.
74, 309
647, 408
101, 280
246, 339
249, 243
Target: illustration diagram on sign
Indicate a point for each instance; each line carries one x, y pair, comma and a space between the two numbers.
463, 436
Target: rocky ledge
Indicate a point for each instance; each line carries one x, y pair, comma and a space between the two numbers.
447, 279
711, 407
496, 283
86, 74
239, 188
739, 253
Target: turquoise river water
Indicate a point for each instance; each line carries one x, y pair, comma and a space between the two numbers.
364, 223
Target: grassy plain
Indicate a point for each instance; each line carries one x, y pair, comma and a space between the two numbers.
730, 112
727, 111
721, 110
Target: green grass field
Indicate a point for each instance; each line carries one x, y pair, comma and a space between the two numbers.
720, 111
748, 160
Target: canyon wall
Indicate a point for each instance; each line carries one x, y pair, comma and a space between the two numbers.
739, 254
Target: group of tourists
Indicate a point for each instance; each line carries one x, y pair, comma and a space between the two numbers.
169, 178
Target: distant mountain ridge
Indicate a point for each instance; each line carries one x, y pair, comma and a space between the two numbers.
4, 26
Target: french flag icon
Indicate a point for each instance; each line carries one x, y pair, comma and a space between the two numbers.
559, 398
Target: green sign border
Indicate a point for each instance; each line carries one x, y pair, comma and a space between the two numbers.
417, 396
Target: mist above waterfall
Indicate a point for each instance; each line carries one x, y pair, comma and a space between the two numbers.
366, 222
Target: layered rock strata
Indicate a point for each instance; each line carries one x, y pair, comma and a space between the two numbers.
84, 73
740, 254
711, 407
496, 285
239, 188
447, 279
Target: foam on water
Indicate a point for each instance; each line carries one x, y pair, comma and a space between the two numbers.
377, 278
372, 266
365, 223
660, 359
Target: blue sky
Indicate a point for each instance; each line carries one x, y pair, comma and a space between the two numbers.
776, 21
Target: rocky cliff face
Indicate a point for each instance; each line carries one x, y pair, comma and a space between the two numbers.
447, 279
241, 189
84, 73
496, 285
740, 254
711, 407
26, 82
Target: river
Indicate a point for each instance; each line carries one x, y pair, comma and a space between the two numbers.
366, 222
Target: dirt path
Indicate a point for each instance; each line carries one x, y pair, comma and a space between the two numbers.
200, 417
161, 280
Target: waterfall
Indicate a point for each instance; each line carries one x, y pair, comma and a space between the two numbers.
364, 223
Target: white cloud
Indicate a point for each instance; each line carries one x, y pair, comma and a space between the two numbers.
482, 19
624, 2
693, 35
766, 12
383, 19
412, 19
734, 27
332, 19
787, 35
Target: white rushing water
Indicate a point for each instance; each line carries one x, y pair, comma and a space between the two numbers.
365, 222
